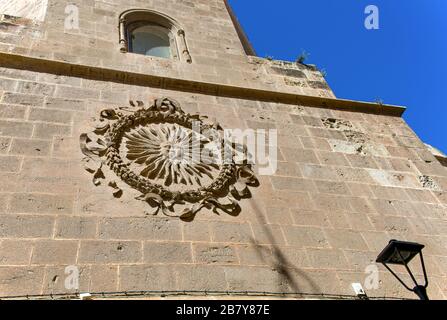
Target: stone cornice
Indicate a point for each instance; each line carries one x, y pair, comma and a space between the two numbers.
37, 64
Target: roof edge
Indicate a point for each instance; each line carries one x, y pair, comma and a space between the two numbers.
38, 64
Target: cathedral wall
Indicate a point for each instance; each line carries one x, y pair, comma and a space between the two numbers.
347, 183
215, 48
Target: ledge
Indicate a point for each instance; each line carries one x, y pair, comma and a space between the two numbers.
15, 61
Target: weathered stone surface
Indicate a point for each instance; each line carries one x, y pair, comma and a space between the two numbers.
16, 128
289, 257
278, 215
376, 240
394, 179
305, 237
102, 252
30, 147
47, 130
144, 277
309, 218
55, 252
197, 231
9, 164
75, 228
201, 278
41, 203
327, 259
103, 278
26, 226
4, 199
255, 279
215, 254
332, 187
318, 172
347, 181
65, 104
360, 260
254, 255
16, 281
30, 87
15, 252
57, 281
140, 228
5, 142
22, 99
30, 9
302, 156
76, 93
293, 184
12, 111
346, 239
231, 232
167, 252
50, 168
268, 234
50, 115
289, 72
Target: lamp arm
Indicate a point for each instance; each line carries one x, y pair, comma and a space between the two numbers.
395, 275
408, 268
424, 270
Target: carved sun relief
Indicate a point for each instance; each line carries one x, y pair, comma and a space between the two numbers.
170, 157
165, 151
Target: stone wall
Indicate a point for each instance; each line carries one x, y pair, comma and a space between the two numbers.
215, 48
29, 9
347, 181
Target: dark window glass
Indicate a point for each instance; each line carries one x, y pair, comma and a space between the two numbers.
151, 40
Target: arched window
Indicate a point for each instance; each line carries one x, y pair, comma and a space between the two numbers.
153, 34
151, 40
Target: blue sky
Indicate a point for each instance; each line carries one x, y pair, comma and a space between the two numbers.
402, 63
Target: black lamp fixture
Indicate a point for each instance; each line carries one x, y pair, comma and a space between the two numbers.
401, 253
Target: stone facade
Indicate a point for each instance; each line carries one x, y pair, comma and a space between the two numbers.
351, 175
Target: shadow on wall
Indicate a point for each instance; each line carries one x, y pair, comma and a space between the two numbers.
279, 261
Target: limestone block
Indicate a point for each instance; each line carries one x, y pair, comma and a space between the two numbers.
30, 9
104, 252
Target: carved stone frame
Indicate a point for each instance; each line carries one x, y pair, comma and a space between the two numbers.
177, 34
102, 147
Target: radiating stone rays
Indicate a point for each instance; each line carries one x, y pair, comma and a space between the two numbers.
171, 153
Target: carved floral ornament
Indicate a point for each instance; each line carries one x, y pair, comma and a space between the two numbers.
171, 157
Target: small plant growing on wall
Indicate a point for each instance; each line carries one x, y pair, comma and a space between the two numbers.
302, 57
379, 101
323, 72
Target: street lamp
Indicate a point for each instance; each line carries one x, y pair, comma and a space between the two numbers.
401, 253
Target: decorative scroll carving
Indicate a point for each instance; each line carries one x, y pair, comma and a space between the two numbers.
154, 150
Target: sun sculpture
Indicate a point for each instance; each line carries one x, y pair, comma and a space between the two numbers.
167, 152
170, 157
